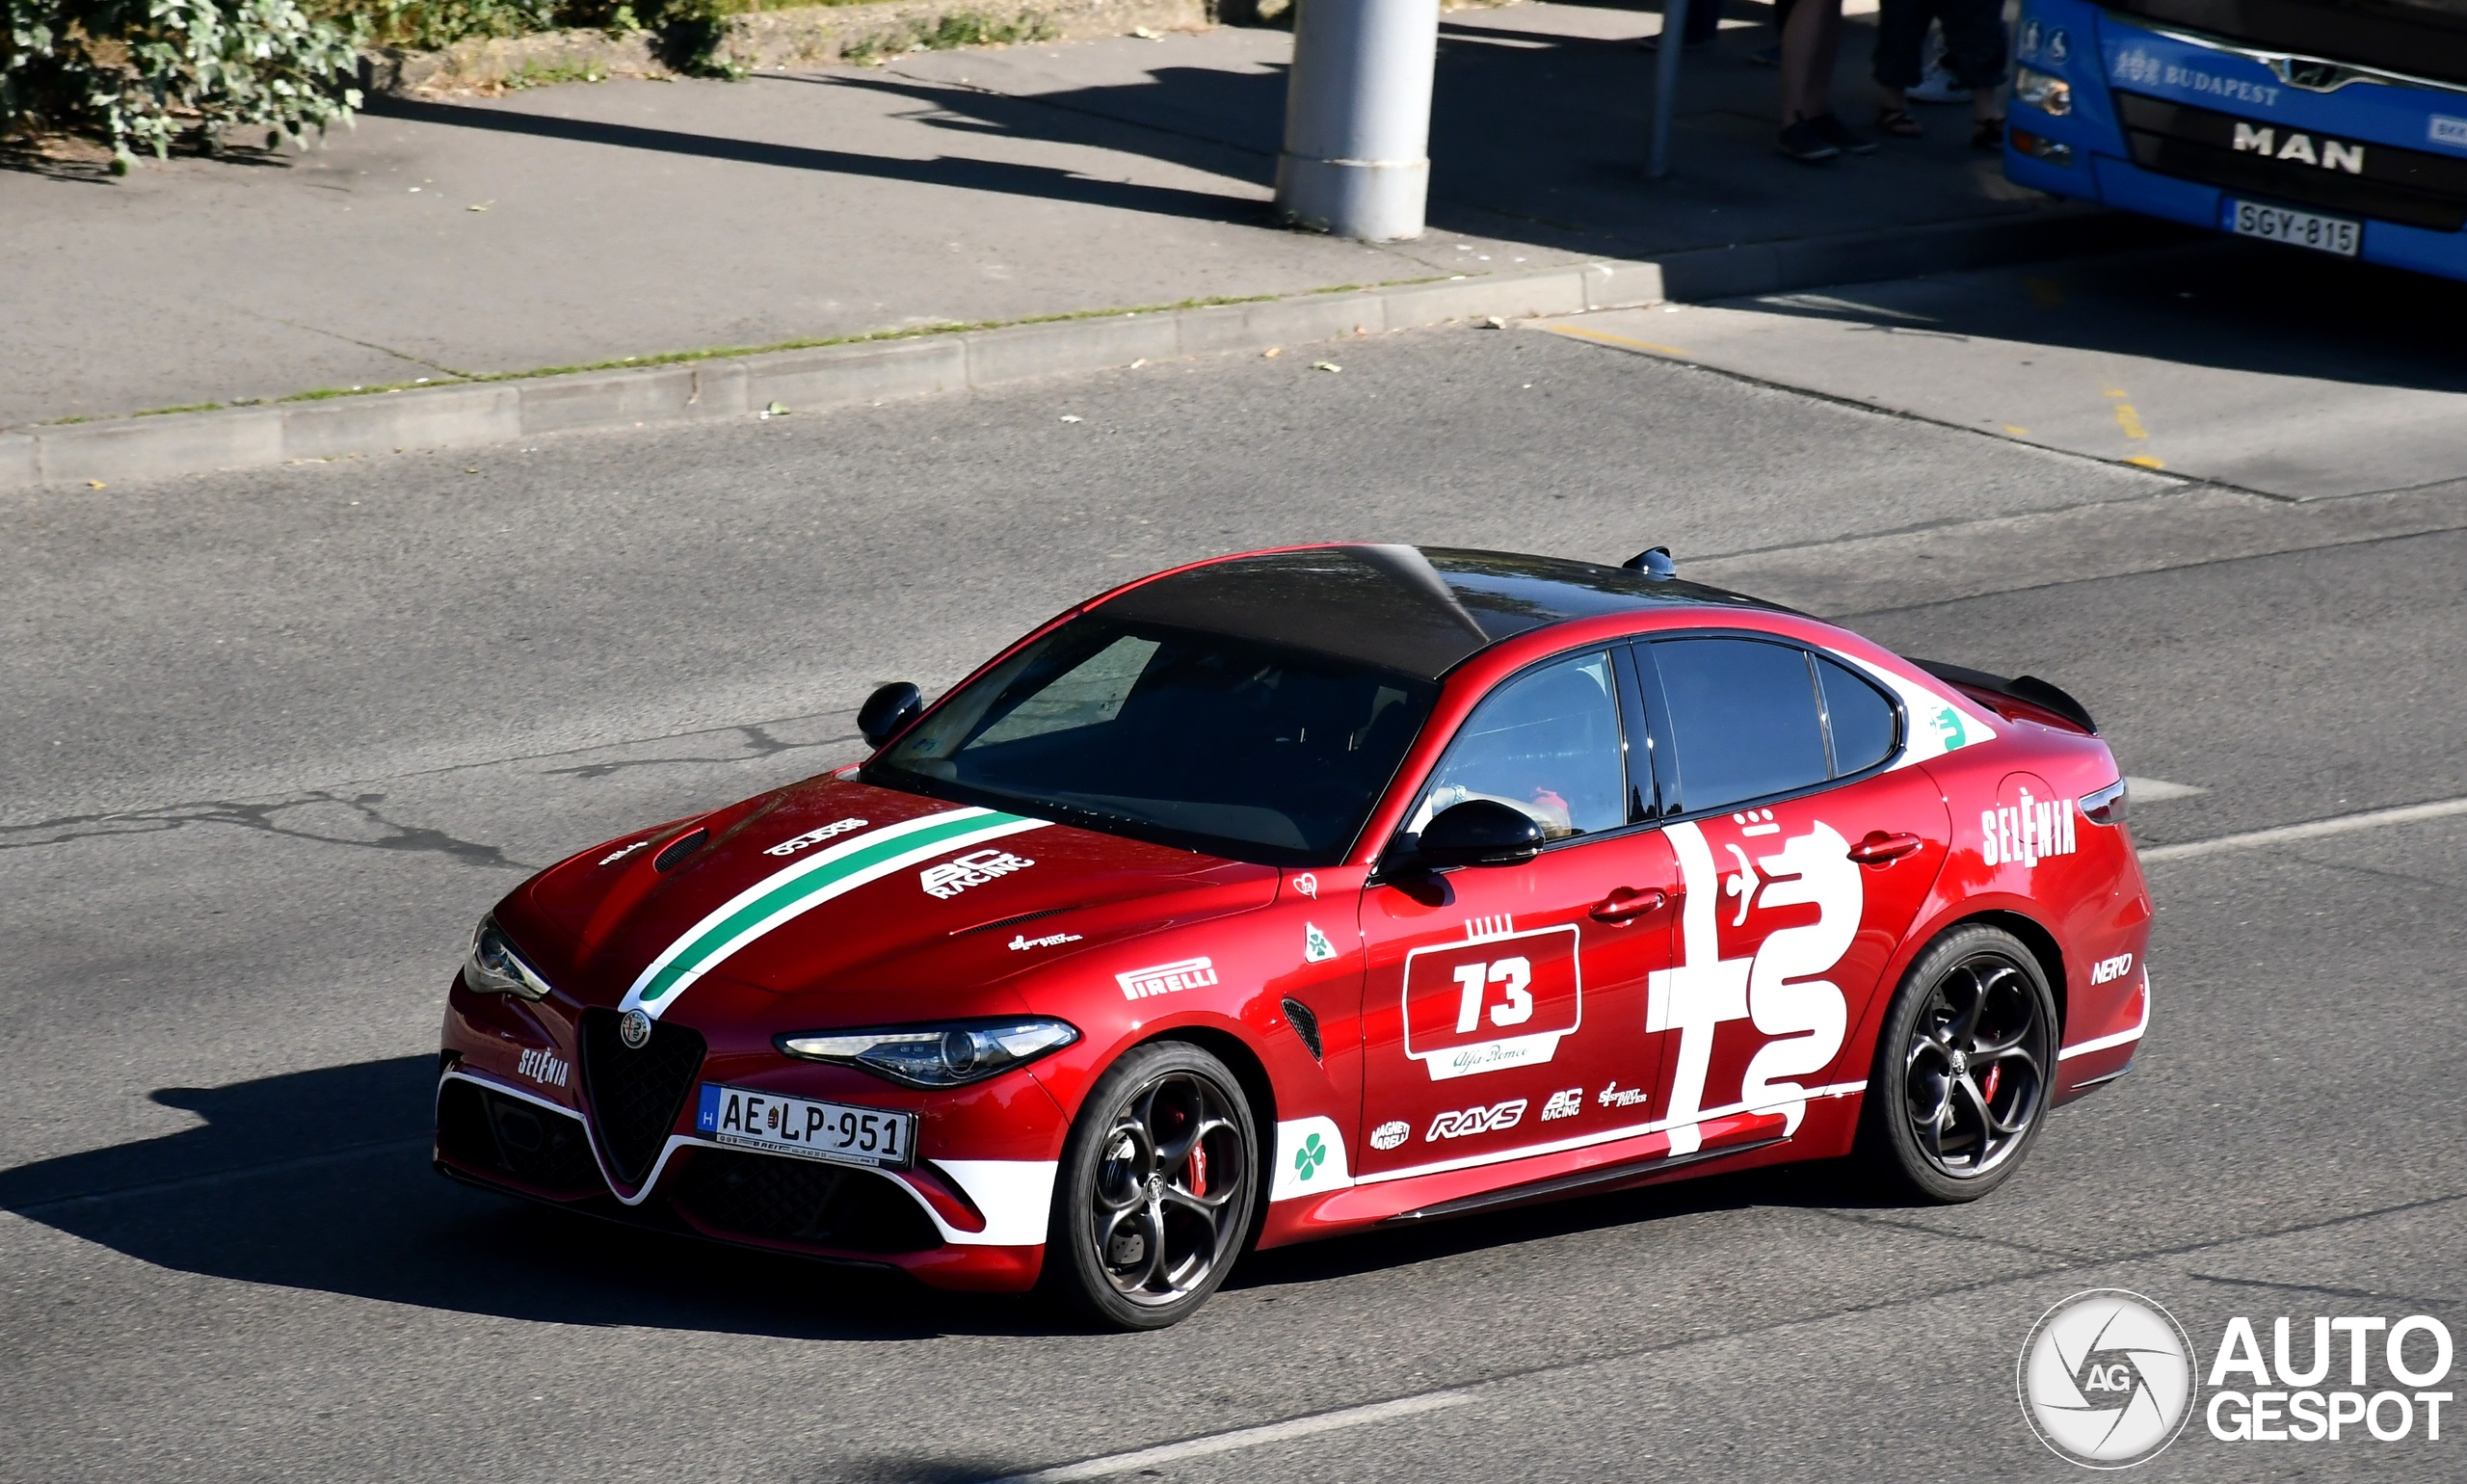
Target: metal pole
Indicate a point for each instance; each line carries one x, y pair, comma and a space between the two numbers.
1674, 40
1357, 117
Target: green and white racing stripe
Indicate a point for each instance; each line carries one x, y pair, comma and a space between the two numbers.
807, 884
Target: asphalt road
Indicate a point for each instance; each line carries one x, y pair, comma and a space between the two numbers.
272, 741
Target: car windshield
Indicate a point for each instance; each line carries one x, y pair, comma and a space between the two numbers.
1242, 749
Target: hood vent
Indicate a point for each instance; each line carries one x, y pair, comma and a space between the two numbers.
1003, 922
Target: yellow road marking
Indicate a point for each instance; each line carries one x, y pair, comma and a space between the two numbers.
1607, 338
2146, 461
2019, 432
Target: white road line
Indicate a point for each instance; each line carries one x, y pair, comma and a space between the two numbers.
2284, 834
1241, 1437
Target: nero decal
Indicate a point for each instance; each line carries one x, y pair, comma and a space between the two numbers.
802, 888
2106, 970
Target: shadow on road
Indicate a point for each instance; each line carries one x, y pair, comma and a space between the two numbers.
2213, 301
321, 1181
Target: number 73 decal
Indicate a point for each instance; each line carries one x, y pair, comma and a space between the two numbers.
1493, 1001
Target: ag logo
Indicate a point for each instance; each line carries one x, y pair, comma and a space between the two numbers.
634, 1028
2107, 1379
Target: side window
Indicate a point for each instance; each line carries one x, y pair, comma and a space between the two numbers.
1743, 718
1858, 717
1546, 742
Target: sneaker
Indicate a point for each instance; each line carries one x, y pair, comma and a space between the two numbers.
1806, 143
1842, 136
1937, 86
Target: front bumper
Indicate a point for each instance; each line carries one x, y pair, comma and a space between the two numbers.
524, 1108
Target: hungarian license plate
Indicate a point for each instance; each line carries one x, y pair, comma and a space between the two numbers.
2302, 229
806, 1129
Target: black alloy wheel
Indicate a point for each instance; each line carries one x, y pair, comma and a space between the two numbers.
1965, 1067
1158, 1181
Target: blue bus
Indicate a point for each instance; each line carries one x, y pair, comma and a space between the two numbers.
2339, 125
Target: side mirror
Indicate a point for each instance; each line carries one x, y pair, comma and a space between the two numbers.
1480, 831
889, 710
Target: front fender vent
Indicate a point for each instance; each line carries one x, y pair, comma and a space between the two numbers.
1305, 1025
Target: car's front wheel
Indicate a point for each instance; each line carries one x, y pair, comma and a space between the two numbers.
1158, 1179
1964, 1067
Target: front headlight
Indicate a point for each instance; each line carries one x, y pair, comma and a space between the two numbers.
935, 1055
496, 967
2050, 95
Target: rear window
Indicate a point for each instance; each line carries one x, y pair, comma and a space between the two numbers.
1863, 724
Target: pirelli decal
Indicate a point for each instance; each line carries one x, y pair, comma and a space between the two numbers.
802, 888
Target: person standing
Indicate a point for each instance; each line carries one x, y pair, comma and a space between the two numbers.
1974, 33
1811, 41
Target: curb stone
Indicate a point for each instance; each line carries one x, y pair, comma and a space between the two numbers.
473, 415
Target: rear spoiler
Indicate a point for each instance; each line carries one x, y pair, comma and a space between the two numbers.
2030, 690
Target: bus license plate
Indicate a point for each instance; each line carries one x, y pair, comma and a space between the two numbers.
2302, 229
800, 1127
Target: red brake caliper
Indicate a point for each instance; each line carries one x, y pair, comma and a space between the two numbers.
1987, 1089
1199, 1170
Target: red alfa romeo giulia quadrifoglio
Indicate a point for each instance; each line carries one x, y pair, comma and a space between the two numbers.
1290, 894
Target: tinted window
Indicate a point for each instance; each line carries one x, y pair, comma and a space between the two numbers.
1860, 719
1546, 742
1742, 719
1229, 745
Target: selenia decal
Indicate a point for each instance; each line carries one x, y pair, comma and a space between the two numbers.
1497, 1000
800, 888
2025, 833
1807, 1016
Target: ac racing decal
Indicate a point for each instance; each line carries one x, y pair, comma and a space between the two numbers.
800, 888
974, 869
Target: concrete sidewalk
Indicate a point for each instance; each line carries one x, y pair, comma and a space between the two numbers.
576, 226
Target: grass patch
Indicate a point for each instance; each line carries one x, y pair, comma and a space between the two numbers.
727, 352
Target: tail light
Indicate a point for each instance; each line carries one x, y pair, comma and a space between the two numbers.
2106, 806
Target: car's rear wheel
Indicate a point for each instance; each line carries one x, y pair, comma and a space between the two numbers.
1964, 1067
1157, 1182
